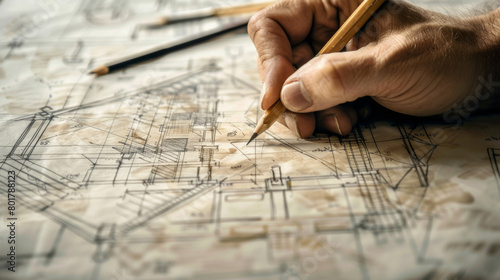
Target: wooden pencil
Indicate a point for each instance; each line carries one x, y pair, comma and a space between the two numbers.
210, 12
338, 41
168, 48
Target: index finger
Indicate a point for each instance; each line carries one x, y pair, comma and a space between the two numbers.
274, 31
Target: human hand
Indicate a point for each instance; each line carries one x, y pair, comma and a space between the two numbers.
406, 58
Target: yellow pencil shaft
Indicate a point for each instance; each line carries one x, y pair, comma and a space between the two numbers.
352, 25
242, 9
273, 114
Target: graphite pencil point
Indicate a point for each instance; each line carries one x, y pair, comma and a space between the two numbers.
252, 138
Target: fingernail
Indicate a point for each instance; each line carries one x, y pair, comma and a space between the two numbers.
296, 96
291, 122
338, 126
331, 123
262, 94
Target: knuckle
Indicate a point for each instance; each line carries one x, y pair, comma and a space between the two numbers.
265, 41
254, 24
332, 76
347, 77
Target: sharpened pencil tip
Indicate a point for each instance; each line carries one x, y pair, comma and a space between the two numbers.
101, 70
252, 138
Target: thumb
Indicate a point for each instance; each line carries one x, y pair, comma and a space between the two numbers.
330, 80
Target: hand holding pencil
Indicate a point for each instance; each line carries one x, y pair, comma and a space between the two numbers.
338, 41
402, 58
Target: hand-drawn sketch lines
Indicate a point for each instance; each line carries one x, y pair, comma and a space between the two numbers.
145, 173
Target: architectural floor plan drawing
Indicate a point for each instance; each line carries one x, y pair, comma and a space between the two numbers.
145, 173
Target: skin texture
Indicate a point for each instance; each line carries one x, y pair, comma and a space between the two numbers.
408, 59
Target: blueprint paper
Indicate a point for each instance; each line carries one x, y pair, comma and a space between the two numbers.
145, 173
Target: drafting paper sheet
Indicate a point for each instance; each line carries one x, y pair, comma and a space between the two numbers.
144, 173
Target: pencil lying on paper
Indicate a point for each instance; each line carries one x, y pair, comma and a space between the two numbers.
338, 41
210, 12
167, 48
